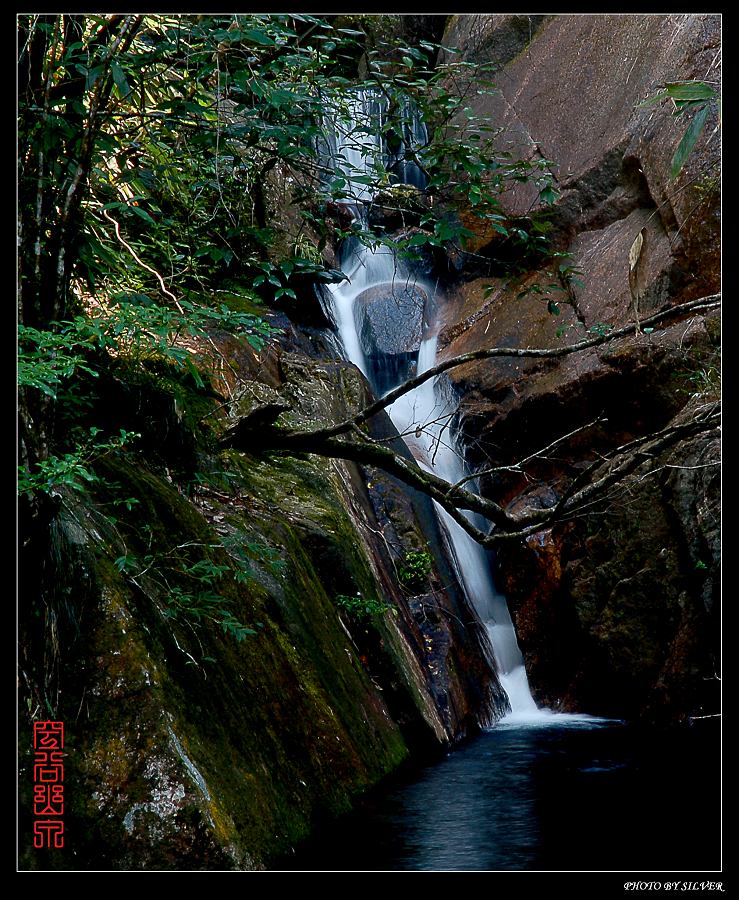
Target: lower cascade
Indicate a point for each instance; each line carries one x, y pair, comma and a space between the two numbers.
424, 419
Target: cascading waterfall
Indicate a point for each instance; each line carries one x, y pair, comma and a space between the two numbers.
423, 416
353, 149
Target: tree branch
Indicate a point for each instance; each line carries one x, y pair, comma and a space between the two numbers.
587, 488
674, 312
517, 466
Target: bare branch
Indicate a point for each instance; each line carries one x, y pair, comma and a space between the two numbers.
517, 466
674, 312
589, 487
143, 265
639, 452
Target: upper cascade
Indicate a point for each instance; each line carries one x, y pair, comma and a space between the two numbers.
370, 149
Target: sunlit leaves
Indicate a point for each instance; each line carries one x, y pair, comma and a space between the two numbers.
45, 360
682, 92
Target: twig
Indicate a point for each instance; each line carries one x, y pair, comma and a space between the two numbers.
516, 467
143, 265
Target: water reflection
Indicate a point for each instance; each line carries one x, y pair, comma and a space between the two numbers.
582, 795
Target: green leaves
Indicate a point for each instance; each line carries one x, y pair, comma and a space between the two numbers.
548, 194
120, 79
256, 36
565, 278
415, 570
419, 239
47, 358
73, 469
362, 609
687, 96
688, 140
196, 591
131, 326
683, 92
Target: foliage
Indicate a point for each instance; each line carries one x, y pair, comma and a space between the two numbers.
47, 359
415, 570
195, 589
156, 150
601, 329
73, 469
706, 381
697, 97
363, 609
565, 278
464, 165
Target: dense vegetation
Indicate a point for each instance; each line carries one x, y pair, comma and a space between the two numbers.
157, 157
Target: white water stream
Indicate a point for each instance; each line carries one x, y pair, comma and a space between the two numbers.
423, 416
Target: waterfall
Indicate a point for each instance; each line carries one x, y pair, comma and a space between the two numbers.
353, 144
424, 417
360, 152
376, 278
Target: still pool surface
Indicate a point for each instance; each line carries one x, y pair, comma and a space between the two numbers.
571, 793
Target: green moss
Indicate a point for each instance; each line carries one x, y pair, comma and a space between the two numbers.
282, 727
243, 299
185, 737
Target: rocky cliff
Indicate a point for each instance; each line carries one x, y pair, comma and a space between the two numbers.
617, 610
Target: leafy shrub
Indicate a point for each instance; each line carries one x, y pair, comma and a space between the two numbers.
415, 570
361, 608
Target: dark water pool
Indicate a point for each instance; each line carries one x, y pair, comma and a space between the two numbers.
583, 796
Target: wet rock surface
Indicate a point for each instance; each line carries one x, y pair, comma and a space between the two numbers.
188, 747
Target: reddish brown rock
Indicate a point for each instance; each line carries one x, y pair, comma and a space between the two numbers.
570, 90
616, 611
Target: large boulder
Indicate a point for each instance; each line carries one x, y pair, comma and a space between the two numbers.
390, 317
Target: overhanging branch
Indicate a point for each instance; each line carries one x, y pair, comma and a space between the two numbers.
588, 487
702, 304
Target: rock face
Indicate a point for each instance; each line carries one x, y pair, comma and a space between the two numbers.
571, 94
618, 614
615, 611
190, 743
